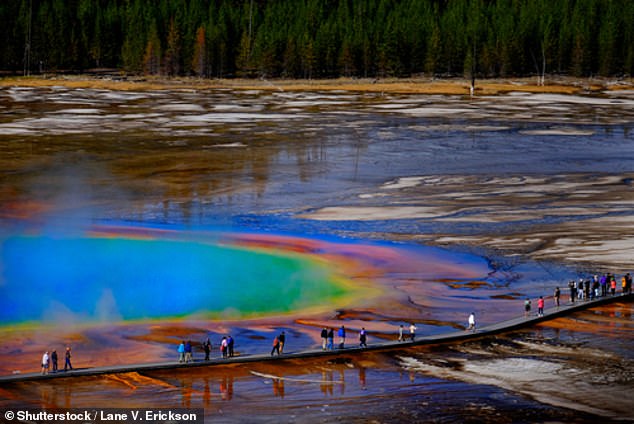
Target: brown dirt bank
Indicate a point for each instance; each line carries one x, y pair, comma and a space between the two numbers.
560, 85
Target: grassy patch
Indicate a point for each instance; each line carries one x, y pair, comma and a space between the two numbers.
558, 85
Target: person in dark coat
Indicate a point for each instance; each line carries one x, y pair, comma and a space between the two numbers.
331, 339
362, 338
282, 339
54, 360
230, 346
188, 351
324, 338
67, 356
207, 348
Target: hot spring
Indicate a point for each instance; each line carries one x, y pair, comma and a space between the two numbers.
141, 274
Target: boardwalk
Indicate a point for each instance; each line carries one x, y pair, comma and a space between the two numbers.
450, 337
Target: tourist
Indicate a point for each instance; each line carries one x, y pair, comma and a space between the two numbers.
412, 331
224, 345
628, 278
603, 282
557, 296
471, 322
527, 307
342, 336
587, 286
54, 360
580, 289
324, 338
282, 339
45, 363
624, 284
613, 284
207, 348
181, 352
188, 351
276, 346
594, 291
230, 343
362, 338
540, 306
400, 333
67, 356
573, 289
331, 339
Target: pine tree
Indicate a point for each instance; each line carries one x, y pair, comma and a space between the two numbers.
152, 56
199, 61
171, 61
133, 47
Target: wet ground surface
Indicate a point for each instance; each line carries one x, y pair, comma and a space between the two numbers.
537, 186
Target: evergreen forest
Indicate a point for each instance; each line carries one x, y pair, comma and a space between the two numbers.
319, 38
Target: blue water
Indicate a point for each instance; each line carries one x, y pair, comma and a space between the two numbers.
119, 278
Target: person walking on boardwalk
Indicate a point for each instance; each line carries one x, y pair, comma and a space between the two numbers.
67, 356
557, 295
400, 333
224, 347
207, 348
342, 336
276, 346
580, 289
331, 339
472, 322
613, 284
412, 331
362, 338
324, 338
188, 351
594, 291
45, 363
230, 343
527, 307
603, 282
282, 339
54, 360
540, 306
572, 285
181, 352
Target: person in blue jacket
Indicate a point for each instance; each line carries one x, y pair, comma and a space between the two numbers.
181, 352
342, 336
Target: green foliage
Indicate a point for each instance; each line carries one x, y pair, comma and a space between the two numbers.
320, 38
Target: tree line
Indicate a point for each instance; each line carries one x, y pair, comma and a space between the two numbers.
319, 38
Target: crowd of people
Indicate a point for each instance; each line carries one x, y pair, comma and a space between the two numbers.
597, 286
226, 346
51, 361
328, 338
585, 289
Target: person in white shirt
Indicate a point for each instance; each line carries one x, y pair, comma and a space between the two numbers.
412, 331
472, 323
45, 361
